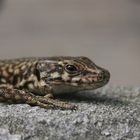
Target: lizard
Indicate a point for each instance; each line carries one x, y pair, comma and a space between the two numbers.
36, 80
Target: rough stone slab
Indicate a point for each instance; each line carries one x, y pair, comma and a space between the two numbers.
110, 113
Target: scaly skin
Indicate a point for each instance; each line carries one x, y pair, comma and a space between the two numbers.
35, 80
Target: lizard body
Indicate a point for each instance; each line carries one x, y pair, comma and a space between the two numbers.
35, 80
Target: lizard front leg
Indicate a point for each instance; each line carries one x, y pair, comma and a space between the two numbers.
56, 103
21, 96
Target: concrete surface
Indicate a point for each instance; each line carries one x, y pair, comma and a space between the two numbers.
108, 32
110, 113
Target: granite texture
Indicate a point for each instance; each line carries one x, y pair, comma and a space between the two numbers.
110, 113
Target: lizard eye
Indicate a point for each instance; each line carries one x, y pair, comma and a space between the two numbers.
71, 69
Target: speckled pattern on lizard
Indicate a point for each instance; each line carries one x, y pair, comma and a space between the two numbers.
35, 81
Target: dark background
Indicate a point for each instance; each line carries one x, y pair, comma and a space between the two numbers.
107, 31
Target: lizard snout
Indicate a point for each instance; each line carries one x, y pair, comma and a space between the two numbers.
104, 76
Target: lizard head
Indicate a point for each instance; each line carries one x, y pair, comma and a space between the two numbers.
72, 74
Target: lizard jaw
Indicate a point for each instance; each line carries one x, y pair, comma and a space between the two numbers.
76, 86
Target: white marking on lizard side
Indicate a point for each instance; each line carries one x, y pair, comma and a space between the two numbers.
55, 75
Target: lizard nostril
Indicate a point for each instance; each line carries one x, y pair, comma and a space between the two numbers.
101, 76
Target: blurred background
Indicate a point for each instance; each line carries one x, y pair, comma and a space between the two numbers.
107, 31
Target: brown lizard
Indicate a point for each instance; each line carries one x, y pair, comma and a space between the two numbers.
34, 81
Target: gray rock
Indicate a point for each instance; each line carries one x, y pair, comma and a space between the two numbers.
110, 113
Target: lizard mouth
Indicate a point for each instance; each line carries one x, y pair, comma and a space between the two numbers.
77, 86
88, 81
81, 82
100, 79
